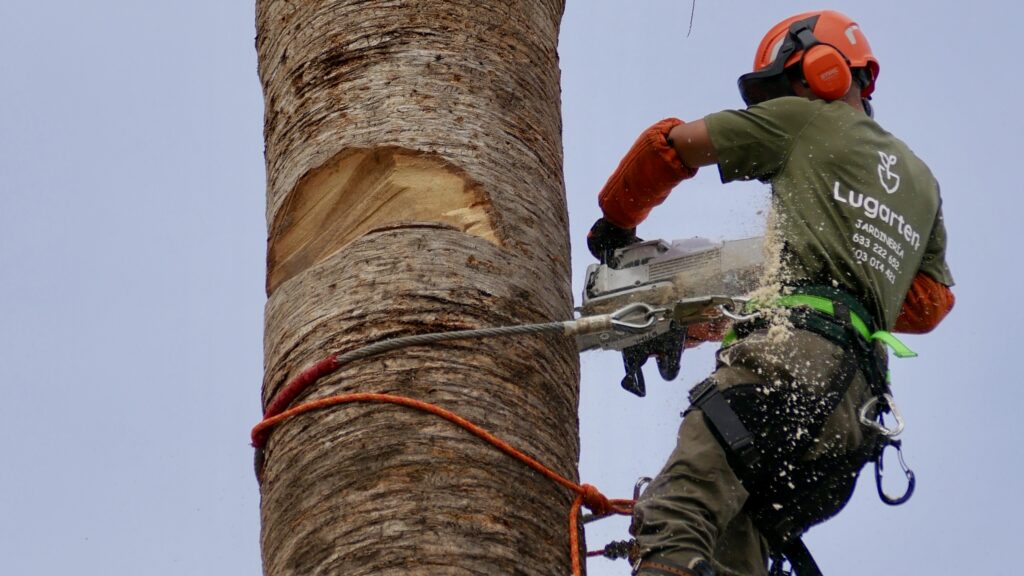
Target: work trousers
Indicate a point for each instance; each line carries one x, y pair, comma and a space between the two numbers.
694, 508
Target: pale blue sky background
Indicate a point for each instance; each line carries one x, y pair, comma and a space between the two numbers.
132, 252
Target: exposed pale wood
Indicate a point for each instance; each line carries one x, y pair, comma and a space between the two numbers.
470, 90
361, 190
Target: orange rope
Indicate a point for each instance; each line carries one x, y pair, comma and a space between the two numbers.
586, 495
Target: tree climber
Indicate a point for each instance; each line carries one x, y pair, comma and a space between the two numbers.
774, 439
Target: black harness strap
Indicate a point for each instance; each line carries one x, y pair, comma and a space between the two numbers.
800, 558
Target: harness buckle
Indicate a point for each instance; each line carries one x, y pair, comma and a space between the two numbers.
700, 391
888, 405
708, 398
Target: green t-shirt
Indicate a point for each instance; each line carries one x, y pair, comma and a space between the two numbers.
856, 209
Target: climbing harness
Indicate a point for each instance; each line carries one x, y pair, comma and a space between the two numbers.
823, 486
827, 307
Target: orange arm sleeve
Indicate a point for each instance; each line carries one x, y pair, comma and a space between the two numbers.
926, 304
644, 177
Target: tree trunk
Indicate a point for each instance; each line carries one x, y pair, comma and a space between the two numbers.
414, 161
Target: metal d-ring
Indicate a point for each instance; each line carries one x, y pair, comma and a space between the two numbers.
890, 406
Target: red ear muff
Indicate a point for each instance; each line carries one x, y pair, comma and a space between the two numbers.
827, 72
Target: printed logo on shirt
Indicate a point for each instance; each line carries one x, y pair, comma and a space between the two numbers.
890, 180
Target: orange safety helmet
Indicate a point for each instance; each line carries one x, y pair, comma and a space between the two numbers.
826, 44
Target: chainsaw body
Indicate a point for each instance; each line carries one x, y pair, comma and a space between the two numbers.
688, 281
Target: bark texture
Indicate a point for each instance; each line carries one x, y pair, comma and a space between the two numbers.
414, 185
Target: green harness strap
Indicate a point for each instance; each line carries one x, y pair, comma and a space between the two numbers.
824, 305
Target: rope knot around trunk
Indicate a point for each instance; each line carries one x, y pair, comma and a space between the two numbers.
597, 502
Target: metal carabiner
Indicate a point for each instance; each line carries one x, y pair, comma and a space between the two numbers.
739, 303
879, 426
639, 486
911, 479
650, 317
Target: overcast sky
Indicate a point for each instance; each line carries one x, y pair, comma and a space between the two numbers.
132, 242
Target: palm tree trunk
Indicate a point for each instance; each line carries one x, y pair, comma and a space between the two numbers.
414, 161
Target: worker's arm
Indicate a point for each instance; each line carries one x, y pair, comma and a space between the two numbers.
645, 176
929, 298
748, 144
654, 165
926, 304
693, 144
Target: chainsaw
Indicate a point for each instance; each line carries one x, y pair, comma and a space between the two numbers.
663, 288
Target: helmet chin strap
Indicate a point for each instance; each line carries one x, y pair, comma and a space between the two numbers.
868, 108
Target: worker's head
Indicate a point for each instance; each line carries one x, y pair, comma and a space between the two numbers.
823, 51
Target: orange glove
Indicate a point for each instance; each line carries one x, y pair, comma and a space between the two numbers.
927, 303
644, 177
